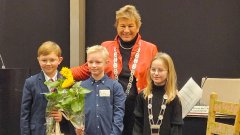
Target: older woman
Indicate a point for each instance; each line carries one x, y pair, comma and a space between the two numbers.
129, 59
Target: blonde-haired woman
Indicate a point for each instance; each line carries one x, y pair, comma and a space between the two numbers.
158, 109
129, 60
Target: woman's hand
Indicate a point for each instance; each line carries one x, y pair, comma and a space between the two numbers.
57, 115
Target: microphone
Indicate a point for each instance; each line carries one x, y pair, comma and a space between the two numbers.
3, 66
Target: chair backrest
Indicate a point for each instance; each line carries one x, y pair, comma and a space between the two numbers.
226, 108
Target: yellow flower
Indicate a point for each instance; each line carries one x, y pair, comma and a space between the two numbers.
67, 83
66, 72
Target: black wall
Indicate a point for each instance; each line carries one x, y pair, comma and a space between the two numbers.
201, 36
24, 25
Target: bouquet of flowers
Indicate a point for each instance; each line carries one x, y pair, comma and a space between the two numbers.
67, 97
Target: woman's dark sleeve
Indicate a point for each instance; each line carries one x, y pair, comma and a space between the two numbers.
138, 113
177, 121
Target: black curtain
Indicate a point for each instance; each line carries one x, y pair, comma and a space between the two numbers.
26, 24
201, 36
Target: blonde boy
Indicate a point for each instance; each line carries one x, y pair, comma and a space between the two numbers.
104, 106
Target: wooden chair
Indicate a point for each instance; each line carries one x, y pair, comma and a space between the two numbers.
220, 107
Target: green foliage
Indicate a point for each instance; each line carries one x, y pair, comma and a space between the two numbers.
69, 100
68, 97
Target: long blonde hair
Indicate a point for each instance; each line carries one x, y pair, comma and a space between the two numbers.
171, 82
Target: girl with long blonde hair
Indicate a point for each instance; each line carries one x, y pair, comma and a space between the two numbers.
158, 109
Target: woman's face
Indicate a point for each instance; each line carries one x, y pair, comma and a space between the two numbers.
127, 29
158, 72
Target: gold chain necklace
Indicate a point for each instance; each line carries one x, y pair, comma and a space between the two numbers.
155, 127
125, 47
134, 66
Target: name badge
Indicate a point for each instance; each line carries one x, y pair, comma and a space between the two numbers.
104, 93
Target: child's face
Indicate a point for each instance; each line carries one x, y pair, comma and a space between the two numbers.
158, 72
96, 63
49, 63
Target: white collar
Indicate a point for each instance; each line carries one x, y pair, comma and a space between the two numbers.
48, 78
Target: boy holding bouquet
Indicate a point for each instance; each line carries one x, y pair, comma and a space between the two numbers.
105, 104
33, 106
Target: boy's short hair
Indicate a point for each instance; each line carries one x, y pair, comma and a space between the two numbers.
48, 47
98, 48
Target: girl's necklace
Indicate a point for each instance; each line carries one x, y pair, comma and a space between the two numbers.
155, 127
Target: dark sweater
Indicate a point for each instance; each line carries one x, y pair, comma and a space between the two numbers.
172, 119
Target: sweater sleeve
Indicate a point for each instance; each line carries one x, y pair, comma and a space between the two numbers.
118, 109
177, 121
80, 72
176, 130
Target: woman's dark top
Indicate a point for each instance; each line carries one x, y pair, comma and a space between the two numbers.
128, 120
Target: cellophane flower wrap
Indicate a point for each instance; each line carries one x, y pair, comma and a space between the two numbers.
67, 97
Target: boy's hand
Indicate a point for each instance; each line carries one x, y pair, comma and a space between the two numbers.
57, 115
79, 131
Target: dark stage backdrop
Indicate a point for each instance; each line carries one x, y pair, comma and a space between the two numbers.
201, 36
26, 24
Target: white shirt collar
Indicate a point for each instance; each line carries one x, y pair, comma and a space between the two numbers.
48, 78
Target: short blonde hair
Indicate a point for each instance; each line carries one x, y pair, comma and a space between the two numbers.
98, 48
129, 12
48, 47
